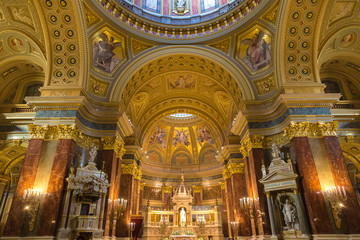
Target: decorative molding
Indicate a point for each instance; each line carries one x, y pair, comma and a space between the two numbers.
223, 45
107, 143
142, 185
138, 46
222, 185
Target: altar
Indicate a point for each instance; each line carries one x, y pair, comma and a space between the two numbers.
183, 221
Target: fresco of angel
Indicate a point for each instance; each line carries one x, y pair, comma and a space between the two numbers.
158, 137
258, 51
204, 135
104, 57
181, 136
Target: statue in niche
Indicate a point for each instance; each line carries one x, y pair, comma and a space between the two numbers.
289, 212
182, 217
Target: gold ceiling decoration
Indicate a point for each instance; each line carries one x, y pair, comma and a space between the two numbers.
139, 46
223, 45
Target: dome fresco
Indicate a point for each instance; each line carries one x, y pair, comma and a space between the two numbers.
186, 144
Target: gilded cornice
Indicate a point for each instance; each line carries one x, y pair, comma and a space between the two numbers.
307, 129
251, 141
233, 168
197, 189
166, 189
131, 169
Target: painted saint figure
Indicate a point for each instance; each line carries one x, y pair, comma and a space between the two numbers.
258, 51
103, 53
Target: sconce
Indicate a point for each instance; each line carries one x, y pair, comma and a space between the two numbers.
31, 198
118, 208
248, 204
336, 197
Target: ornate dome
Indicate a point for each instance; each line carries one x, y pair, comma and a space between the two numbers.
182, 190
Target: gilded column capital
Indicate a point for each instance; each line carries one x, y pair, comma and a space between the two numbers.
68, 132
236, 168
306, 129
222, 185
166, 189
197, 189
127, 169
142, 185
119, 148
37, 132
107, 143
137, 174
252, 141
226, 174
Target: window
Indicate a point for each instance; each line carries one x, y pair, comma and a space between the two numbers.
32, 90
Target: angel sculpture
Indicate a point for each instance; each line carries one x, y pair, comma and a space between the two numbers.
103, 52
258, 51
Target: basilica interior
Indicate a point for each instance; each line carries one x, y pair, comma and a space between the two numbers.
179, 119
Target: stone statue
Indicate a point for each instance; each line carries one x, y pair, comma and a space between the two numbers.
275, 151
182, 217
180, 3
289, 212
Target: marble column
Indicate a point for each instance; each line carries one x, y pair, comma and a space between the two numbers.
197, 195
239, 191
112, 167
230, 205
224, 215
27, 177
135, 197
256, 156
167, 197
140, 210
300, 210
271, 214
63, 157
249, 189
126, 188
315, 202
341, 178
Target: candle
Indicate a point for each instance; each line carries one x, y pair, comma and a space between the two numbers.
25, 193
344, 192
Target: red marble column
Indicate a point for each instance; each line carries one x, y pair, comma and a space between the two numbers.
167, 201
197, 198
64, 155
239, 191
341, 178
230, 201
256, 156
141, 198
31, 161
135, 197
249, 188
315, 202
126, 188
224, 215
111, 169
